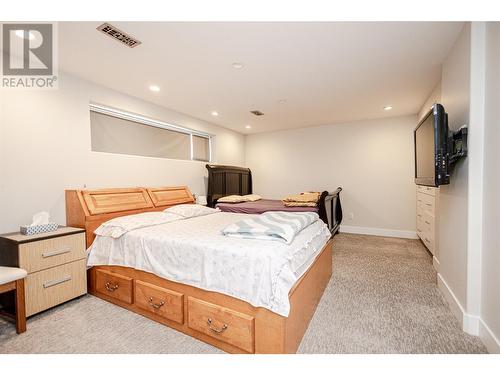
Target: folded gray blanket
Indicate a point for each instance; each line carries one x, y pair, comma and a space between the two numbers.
274, 226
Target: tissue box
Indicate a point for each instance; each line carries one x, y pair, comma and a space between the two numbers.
30, 230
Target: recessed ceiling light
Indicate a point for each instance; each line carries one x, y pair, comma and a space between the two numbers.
387, 107
237, 65
248, 127
154, 88
20, 34
215, 113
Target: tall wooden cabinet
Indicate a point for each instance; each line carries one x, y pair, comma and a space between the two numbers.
427, 217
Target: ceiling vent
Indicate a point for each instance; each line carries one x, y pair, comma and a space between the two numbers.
257, 113
118, 35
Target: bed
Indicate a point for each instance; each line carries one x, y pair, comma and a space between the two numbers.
226, 180
207, 306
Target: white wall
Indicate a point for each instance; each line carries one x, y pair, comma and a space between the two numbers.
490, 280
45, 149
455, 89
371, 160
434, 97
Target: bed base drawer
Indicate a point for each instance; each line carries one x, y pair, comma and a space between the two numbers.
226, 325
114, 285
159, 301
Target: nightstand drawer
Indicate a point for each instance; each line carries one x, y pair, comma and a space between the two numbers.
39, 255
56, 285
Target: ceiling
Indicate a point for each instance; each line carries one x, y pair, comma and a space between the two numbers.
298, 74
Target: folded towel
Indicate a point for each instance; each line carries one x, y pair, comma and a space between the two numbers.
309, 197
272, 225
299, 204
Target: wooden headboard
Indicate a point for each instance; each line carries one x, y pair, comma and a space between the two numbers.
227, 180
90, 208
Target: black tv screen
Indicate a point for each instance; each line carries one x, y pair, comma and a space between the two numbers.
431, 142
424, 148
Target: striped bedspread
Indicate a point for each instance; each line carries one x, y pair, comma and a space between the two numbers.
274, 226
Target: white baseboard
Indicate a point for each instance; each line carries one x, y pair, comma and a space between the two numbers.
470, 323
378, 231
435, 263
488, 338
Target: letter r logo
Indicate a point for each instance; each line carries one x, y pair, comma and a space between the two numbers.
28, 49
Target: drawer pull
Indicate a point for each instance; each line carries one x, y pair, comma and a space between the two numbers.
156, 305
56, 252
426, 222
428, 204
111, 288
48, 284
419, 215
222, 329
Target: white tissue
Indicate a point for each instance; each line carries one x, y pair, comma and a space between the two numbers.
40, 218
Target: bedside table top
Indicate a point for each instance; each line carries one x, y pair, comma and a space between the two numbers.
19, 238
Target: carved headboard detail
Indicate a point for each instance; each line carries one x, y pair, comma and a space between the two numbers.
90, 208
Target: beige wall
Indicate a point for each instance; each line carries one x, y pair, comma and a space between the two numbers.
490, 283
371, 160
434, 97
452, 236
45, 149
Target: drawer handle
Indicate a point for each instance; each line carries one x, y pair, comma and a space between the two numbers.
222, 329
110, 287
419, 215
56, 252
428, 204
156, 305
48, 284
426, 222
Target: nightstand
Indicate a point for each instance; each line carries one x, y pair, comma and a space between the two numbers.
55, 262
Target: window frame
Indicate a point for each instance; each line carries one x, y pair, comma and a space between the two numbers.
133, 117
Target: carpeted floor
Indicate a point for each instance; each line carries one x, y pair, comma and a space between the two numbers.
382, 298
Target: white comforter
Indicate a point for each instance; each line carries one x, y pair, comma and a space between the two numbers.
194, 252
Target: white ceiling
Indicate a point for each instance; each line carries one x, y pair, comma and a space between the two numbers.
326, 72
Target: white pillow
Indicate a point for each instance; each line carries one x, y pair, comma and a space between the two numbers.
239, 198
252, 197
191, 210
231, 199
120, 225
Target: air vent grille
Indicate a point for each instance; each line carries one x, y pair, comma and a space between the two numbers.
257, 113
119, 35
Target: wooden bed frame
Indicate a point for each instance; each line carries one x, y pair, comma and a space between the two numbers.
226, 322
226, 180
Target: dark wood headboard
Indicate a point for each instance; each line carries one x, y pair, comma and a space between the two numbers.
227, 180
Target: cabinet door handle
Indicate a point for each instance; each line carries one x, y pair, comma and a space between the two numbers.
48, 284
111, 288
419, 215
220, 330
156, 305
428, 204
49, 254
426, 222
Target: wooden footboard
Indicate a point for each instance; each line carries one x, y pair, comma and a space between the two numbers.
228, 323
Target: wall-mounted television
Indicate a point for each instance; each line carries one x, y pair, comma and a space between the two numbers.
431, 148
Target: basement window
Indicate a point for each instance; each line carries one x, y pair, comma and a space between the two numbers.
118, 132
